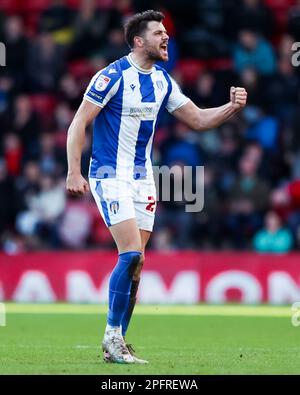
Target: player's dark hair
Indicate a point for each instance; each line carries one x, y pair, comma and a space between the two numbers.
138, 23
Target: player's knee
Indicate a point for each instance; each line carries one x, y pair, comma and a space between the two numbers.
131, 245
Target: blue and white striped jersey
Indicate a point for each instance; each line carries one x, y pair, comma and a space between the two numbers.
133, 100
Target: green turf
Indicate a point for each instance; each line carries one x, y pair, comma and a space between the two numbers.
204, 343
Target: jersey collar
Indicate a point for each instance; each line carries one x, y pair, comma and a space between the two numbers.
134, 64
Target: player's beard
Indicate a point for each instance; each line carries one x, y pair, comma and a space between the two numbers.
154, 54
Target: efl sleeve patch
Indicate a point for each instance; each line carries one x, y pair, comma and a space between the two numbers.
102, 82
102, 88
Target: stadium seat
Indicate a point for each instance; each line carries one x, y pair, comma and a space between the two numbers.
280, 10
34, 5
190, 69
220, 64
10, 6
80, 68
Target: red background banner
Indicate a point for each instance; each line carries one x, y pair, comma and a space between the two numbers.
173, 277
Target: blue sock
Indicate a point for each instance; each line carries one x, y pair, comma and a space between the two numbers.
120, 285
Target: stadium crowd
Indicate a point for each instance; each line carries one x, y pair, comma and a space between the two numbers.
252, 162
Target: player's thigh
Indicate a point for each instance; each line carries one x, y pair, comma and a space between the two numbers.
114, 201
126, 236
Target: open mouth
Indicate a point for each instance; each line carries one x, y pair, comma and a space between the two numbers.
164, 47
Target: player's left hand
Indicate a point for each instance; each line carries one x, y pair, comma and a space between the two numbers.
238, 97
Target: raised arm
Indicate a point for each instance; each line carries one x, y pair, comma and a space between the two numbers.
203, 119
87, 111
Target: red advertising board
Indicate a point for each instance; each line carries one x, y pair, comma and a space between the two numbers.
173, 277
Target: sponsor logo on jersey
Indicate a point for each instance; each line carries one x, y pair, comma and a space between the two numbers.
102, 82
114, 207
132, 86
94, 95
111, 71
141, 112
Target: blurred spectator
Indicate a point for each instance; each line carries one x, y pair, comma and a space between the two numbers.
25, 122
27, 184
7, 198
248, 198
208, 227
283, 87
293, 143
254, 51
50, 158
273, 238
177, 152
70, 91
45, 64
180, 148
44, 211
2, 23
251, 81
294, 21
76, 223
12, 244
115, 46
226, 162
16, 49
6, 85
90, 28
285, 47
13, 153
162, 240
263, 128
171, 213
285, 200
253, 15
203, 93
63, 116
58, 19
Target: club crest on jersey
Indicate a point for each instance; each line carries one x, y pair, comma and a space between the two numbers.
160, 85
114, 207
102, 82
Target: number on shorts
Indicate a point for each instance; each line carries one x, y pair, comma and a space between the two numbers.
150, 206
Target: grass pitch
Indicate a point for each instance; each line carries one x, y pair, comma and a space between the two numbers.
64, 339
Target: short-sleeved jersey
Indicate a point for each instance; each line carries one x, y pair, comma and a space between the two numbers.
132, 101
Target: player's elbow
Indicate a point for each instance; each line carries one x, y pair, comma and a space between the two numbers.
199, 121
78, 123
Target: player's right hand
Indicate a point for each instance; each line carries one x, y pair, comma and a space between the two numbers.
76, 185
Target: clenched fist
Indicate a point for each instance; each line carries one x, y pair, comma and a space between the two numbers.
238, 97
76, 184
